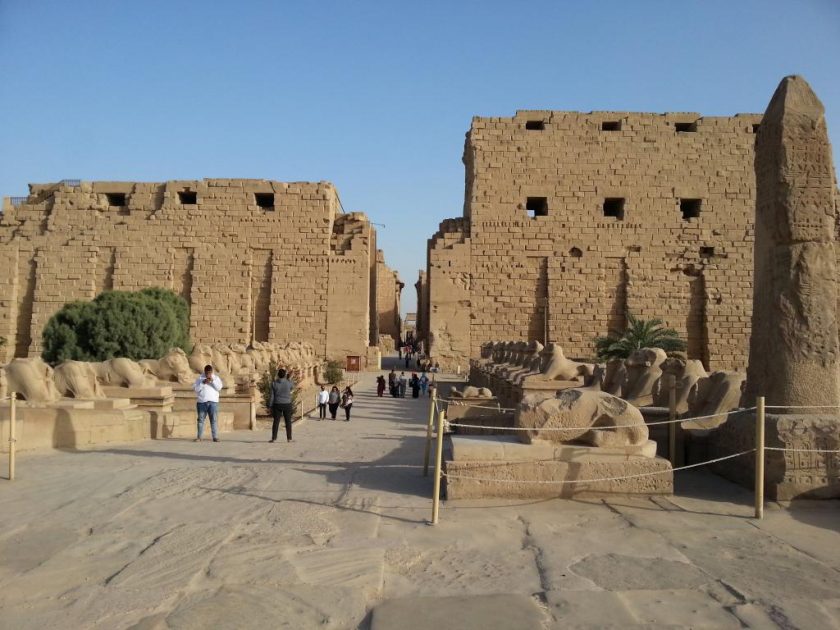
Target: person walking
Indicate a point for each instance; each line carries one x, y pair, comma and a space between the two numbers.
380, 385
424, 383
392, 383
333, 401
280, 403
323, 398
415, 385
402, 385
347, 402
207, 388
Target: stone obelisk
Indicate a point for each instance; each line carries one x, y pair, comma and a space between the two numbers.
794, 349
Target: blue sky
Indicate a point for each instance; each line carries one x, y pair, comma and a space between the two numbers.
373, 96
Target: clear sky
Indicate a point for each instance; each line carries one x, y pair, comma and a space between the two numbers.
373, 96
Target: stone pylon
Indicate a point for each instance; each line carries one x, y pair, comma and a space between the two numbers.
794, 351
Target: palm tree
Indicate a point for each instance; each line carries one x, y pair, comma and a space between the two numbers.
640, 333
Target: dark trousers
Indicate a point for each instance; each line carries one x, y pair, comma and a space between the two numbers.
285, 410
347, 411
333, 410
322, 410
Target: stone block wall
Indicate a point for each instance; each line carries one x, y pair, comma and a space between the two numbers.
388, 293
573, 219
256, 259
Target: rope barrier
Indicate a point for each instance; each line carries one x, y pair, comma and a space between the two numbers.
617, 426
621, 478
802, 407
461, 403
800, 450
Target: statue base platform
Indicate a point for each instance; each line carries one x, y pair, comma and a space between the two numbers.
183, 424
242, 404
794, 474
158, 399
72, 424
504, 467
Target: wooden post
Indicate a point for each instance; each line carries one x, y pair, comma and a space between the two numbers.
759, 457
429, 432
438, 462
672, 415
12, 429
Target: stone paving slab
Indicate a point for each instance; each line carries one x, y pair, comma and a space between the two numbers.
477, 612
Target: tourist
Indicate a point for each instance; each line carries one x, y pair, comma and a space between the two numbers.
280, 403
207, 388
347, 402
323, 398
407, 360
334, 401
380, 385
402, 384
415, 385
392, 384
424, 383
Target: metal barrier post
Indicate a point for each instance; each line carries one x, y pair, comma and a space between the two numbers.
672, 415
759, 457
429, 433
12, 428
438, 462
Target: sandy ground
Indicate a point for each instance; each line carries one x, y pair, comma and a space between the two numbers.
331, 531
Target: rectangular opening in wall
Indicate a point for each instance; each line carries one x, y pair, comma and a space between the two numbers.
264, 200
690, 208
611, 125
116, 200
537, 206
685, 127
535, 125
614, 207
707, 252
756, 127
187, 197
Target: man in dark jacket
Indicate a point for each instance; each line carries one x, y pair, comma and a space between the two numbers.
280, 403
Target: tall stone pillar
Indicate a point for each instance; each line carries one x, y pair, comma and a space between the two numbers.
794, 350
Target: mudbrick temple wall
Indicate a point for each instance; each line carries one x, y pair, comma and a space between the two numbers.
571, 220
256, 259
388, 291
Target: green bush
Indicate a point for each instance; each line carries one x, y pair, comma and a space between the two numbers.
141, 325
265, 381
334, 372
640, 333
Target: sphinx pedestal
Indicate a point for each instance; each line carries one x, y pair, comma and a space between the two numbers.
507, 467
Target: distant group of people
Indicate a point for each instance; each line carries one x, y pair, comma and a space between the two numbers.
398, 385
412, 350
280, 401
334, 399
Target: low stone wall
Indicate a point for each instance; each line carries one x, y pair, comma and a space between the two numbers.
78, 424
787, 475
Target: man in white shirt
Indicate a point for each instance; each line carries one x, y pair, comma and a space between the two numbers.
207, 388
323, 398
